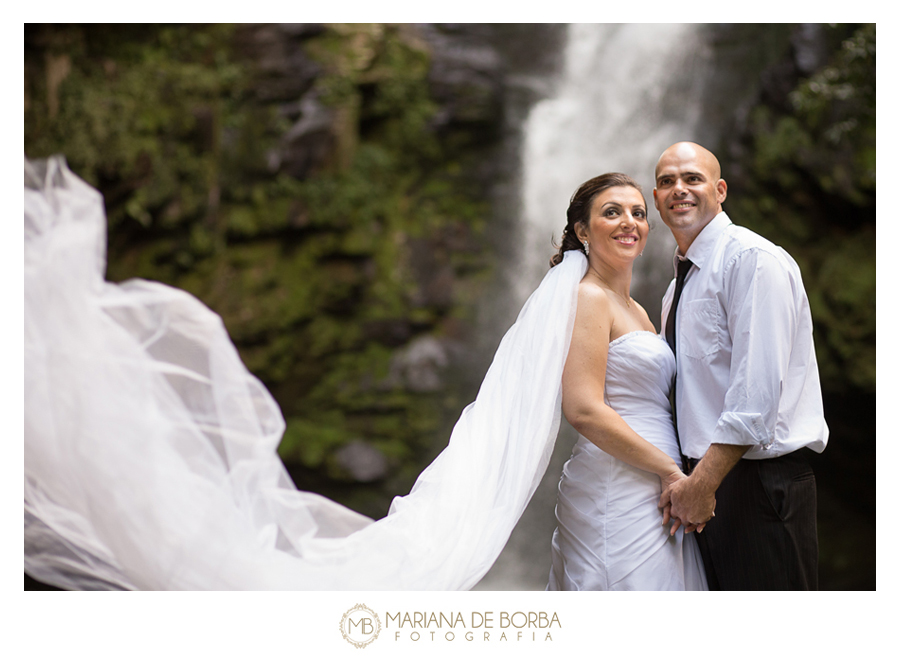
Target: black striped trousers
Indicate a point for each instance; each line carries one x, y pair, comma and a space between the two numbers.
763, 536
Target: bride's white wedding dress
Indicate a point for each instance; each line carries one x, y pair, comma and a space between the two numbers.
150, 450
610, 534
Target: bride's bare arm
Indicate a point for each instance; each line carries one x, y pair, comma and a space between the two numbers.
583, 382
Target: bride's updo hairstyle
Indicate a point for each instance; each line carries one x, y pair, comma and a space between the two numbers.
579, 211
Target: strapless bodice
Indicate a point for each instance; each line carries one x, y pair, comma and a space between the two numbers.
640, 370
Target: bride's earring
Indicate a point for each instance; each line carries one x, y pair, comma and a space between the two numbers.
587, 248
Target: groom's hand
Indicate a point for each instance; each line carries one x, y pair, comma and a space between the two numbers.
665, 503
691, 502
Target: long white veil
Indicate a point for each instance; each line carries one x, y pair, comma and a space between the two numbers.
150, 450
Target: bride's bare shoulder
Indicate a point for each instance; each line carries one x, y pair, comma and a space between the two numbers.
594, 304
593, 294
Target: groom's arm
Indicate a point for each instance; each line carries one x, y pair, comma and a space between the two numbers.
761, 317
761, 322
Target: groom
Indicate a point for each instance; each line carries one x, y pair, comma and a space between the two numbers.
747, 394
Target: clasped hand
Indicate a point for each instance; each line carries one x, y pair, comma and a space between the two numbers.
685, 501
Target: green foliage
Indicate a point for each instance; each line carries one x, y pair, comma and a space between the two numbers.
811, 189
312, 437
837, 105
842, 300
166, 123
143, 121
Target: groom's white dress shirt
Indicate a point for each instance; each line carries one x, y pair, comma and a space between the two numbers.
747, 371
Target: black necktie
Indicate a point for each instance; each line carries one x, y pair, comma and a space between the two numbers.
683, 267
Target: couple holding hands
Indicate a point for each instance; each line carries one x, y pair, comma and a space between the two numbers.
737, 371
150, 456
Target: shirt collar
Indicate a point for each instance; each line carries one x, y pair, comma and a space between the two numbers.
703, 244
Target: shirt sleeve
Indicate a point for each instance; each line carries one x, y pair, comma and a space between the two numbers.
762, 319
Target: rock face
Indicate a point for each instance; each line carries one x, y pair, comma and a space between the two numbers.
285, 78
465, 78
466, 75
464, 82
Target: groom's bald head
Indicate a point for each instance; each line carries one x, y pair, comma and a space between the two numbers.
691, 151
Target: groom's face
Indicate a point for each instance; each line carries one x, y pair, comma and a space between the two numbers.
688, 192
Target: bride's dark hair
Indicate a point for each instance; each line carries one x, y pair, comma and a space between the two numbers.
579, 211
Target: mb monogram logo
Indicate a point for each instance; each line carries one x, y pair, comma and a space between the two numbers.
360, 626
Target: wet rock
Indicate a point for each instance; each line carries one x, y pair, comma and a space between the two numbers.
285, 72
465, 76
308, 143
361, 462
419, 366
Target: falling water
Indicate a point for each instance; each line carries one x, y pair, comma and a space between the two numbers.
626, 92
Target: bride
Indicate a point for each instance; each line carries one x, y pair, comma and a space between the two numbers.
615, 393
150, 457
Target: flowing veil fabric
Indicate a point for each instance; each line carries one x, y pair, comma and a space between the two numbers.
150, 450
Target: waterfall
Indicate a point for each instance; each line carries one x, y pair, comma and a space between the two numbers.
624, 94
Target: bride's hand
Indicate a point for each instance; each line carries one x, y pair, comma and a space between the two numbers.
699, 527
676, 522
666, 480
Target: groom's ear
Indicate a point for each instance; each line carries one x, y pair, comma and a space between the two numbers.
721, 190
655, 200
